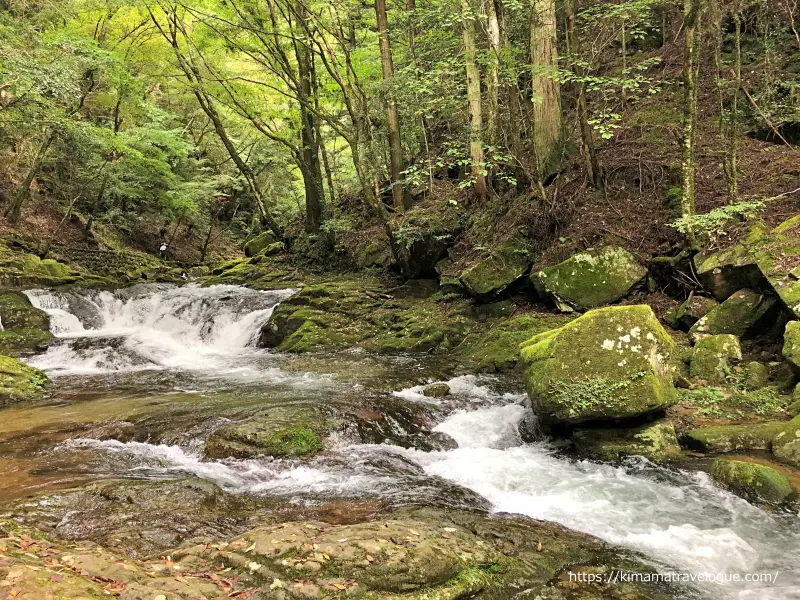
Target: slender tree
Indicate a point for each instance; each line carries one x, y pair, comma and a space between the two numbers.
390, 105
478, 167
691, 65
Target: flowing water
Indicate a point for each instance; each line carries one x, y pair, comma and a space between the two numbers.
144, 375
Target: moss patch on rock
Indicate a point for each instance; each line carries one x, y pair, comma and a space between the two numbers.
590, 279
358, 313
281, 431
786, 443
738, 315
714, 357
655, 441
763, 260
25, 329
491, 276
611, 363
791, 343
257, 244
733, 438
751, 480
21, 383
496, 347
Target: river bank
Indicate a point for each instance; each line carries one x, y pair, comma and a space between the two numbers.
168, 429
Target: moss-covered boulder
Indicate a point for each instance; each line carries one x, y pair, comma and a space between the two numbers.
493, 275
763, 260
611, 363
497, 348
793, 409
733, 438
20, 270
791, 343
355, 313
750, 480
281, 431
689, 313
24, 329
714, 356
257, 244
755, 375
786, 443
590, 279
739, 315
20, 382
436, 390
655, 441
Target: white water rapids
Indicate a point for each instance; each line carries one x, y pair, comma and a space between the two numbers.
677, 517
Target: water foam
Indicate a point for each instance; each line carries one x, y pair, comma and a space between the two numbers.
153, 326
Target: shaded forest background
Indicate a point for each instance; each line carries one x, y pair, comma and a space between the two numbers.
353, 130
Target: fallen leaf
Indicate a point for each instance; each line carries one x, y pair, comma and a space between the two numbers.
370, 558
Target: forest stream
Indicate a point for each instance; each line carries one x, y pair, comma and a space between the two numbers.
144, 375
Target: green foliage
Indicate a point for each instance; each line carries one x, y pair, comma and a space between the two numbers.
716, 222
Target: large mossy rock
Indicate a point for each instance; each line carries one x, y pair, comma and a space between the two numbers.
21, 271
20, 382
655, 441
256, 245
351, 313
295, 430
24, 329
751, 480
410, 554
791, 343
611, 363
733, 438
689, 313
763, 261
590, 279
491, 276
786, 443
714, 356
739, 315
497, 348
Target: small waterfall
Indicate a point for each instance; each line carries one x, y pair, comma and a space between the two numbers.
152, 326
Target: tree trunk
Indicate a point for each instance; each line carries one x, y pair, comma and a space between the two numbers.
545, 87
732, 129
474, 100
396, 165
587, 137
309, 142
493, 83
691, 66
14, 208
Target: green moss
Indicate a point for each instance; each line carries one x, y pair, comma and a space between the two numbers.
20, 383
610, 363
717, 402
492, 276
655, 441
590, 279
714, 357
736, 316
753, 481
752, 264
786, 443
259, 243
791, 343
21, 342
733, 438
282, 431
497, 349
